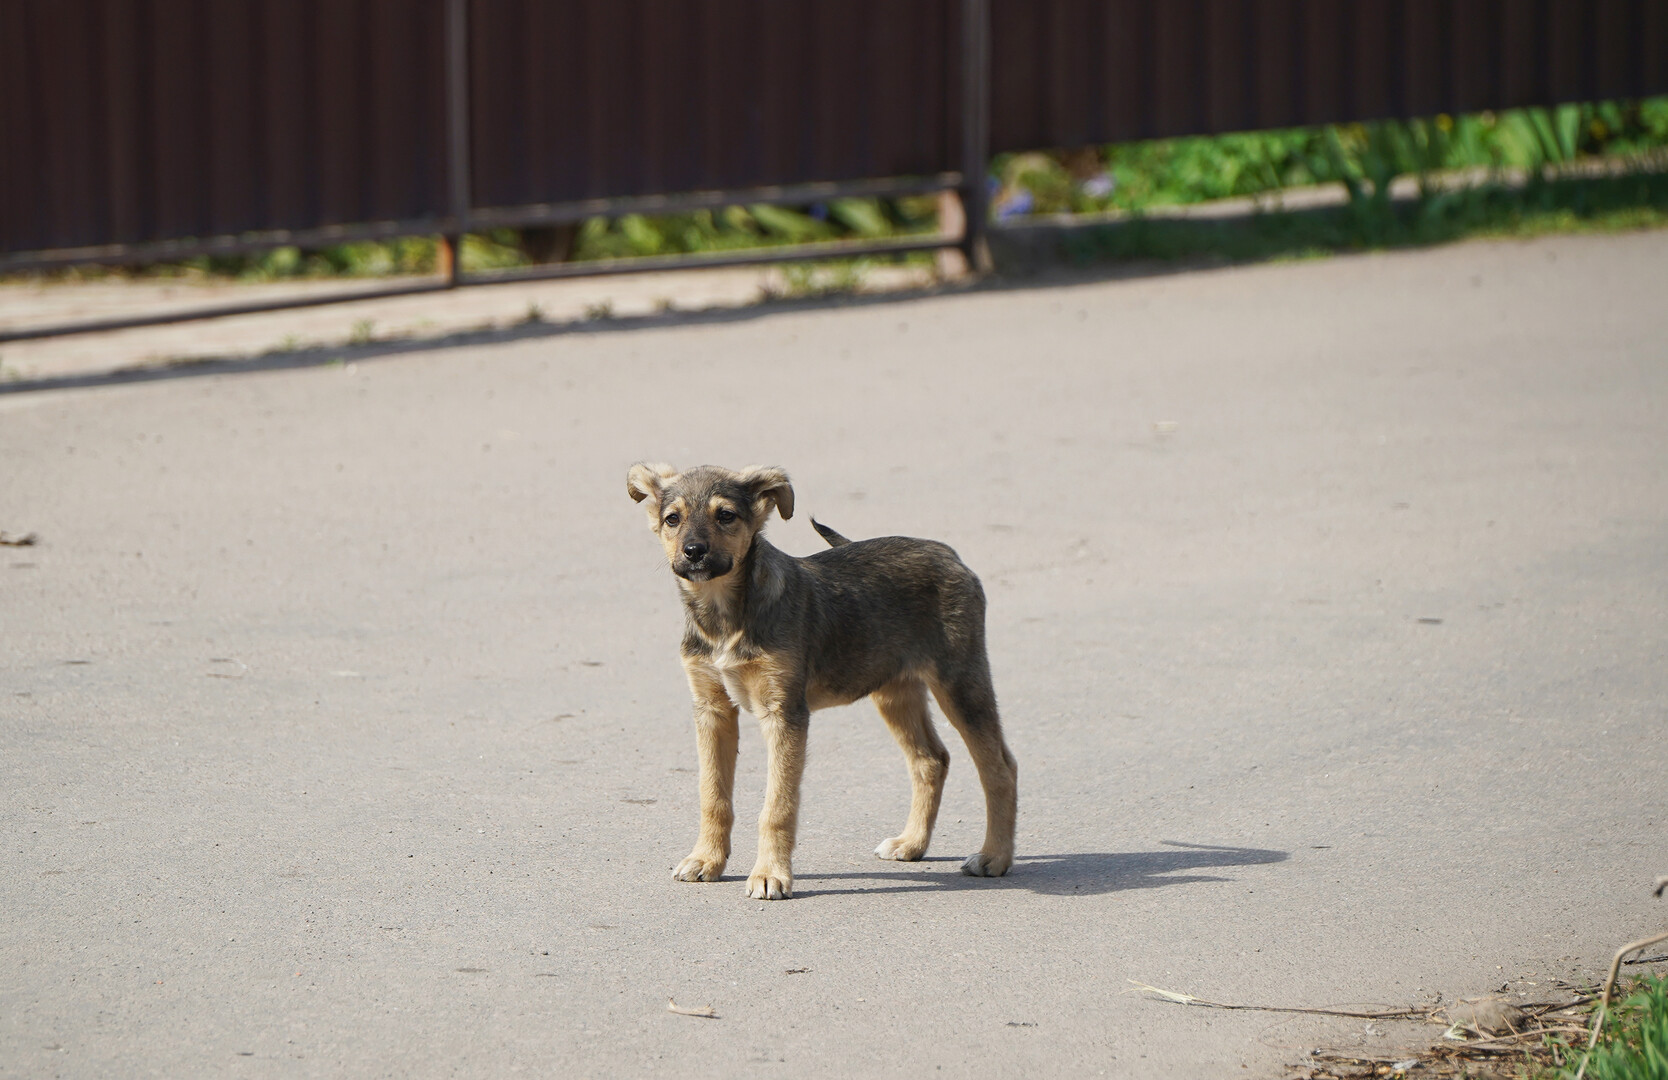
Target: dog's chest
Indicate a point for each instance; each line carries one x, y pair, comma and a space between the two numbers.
742, 676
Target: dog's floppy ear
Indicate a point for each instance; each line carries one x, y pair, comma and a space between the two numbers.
769, 483
646, 481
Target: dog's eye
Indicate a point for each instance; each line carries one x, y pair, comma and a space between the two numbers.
726, 516
672, 520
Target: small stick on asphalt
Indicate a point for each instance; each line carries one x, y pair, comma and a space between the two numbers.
1407, 1013
1542, 1008
1469, 1043
1338, 1055
708, 1013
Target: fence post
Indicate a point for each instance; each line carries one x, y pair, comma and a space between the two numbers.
457, 136
975, 131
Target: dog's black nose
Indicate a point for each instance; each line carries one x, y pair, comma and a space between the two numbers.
694, 551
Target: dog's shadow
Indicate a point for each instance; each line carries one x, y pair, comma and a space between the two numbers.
1083, 874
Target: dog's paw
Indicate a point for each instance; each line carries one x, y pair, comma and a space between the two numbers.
699, 867
901, 849
981, 865
770, 885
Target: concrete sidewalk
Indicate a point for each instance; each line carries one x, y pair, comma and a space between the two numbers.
343, 732
340, 327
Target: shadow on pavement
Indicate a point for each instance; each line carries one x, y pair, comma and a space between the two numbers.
325, 355
1082, 874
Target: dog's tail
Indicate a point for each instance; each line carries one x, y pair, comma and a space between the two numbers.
834, 539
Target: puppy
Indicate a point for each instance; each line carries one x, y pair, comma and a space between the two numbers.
782, 637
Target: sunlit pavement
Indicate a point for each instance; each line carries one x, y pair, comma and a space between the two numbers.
343, 732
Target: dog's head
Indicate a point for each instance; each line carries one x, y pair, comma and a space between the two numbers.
707, 517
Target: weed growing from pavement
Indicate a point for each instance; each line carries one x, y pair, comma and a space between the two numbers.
805, 280
1635, 1045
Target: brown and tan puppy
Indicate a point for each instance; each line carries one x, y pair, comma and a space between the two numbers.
782, 637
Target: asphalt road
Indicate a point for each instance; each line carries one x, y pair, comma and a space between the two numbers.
343, 734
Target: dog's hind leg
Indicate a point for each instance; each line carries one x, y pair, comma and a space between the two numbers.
717, 740
903, 705
969, 702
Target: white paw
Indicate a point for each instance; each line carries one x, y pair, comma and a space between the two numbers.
901, 850
981, 865
699, 868
767, 885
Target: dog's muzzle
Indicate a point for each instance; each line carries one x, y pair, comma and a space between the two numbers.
697, 562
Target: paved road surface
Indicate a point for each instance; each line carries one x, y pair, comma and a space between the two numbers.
342, 730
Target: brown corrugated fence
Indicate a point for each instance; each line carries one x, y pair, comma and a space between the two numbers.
128, 122
144, 128
593, 99
1074, 72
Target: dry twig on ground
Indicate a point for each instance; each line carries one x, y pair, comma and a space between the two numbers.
1409, 1012
708, 1013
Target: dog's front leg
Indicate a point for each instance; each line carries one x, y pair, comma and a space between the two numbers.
785, 729
716, 739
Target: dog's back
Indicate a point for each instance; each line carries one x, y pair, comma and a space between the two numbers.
890, 606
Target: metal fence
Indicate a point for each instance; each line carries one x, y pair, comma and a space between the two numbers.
595, 99
1075, 72
145, 129
140, 130
127, 123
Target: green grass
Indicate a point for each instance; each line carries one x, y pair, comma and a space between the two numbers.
1551, 206
1634, 1045
732, 228
1526, 172
737, 227
1364, 157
